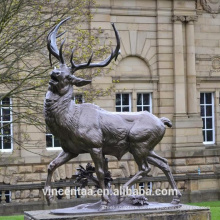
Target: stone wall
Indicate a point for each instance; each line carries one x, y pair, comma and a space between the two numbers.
36, 173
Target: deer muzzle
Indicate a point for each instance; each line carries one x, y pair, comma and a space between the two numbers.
54, 78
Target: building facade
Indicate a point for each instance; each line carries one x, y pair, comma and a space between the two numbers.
169, 65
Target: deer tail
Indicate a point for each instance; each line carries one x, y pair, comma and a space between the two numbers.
166, 121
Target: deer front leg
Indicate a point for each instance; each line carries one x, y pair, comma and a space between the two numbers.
98, 160
61, 159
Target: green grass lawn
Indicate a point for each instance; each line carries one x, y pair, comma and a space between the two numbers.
16, 217
214, 208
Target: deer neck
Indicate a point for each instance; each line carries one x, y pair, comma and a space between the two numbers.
55, 104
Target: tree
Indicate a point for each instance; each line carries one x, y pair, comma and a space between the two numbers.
24, 63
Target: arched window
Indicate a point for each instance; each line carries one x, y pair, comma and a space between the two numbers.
135, 85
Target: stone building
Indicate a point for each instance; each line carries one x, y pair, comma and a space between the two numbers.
169, 65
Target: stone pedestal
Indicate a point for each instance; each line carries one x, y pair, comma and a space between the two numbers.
185, 212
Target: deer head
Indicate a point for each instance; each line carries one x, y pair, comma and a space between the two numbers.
63, 78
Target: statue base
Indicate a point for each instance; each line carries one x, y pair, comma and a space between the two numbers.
153, 211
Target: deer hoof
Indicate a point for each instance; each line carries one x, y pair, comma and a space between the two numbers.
105, 200
175, 201
121, 199
49, 199
179, 194
103, 207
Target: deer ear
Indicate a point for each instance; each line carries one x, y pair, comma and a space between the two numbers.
79, 81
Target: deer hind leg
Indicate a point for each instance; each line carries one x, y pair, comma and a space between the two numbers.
153, 154
61, 159
166, 169
143, 167
98, 159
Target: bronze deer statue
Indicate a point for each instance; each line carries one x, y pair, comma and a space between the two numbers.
87, 128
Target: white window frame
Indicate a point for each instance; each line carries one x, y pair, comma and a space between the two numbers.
150, 186
121, 105
11, 126
142, 105
52, 137
53, 147
205, 117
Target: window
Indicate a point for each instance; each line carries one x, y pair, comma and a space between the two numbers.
51, 141
7, 198
123, 102
141, 187
5, 125
144, 102
207, 114
150, 186
78, 99
59, 193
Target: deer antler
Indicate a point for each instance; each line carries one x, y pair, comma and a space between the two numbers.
103, 63
52, 45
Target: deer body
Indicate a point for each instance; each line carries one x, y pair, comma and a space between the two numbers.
87, 128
